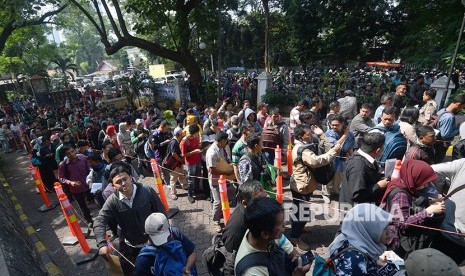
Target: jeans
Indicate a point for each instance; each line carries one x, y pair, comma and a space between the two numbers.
216, 210
192, 182
298, 225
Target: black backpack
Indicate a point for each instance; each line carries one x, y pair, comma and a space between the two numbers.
323, 174
276, 260
213, 257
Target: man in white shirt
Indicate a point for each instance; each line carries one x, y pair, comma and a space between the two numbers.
295, 112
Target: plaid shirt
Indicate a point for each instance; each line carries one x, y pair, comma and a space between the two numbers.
401, 205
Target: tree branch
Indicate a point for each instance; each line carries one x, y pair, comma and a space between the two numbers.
121, 21
102, 34
99, 14
110, 17
41, 20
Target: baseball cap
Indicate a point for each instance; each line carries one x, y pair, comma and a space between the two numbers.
430, 262
138, 121
177, 131
158, 228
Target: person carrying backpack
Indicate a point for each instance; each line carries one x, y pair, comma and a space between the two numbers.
169, 251
304, 178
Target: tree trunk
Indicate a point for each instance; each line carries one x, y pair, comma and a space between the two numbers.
267, 35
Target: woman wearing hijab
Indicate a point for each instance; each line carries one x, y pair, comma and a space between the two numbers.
364, 233
124, 140
111, 135
406, 198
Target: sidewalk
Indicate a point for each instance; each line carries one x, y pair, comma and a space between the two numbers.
194, 220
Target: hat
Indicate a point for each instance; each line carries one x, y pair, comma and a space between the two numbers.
429, 262
138, 121
158, 228
177, 131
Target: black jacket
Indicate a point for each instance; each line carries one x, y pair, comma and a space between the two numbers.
459, 150
362, 178
130, 220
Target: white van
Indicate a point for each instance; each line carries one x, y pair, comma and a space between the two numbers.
168, 78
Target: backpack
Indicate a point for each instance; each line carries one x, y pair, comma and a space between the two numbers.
170, 258
271, 136
327, 267
436, 119
214, 257
323, 174
395, 145
275, 260
169, 161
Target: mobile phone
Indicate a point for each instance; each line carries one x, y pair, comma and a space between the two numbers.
307, 258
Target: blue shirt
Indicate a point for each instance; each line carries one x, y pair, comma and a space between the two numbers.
446, 125
349, 143
378, 113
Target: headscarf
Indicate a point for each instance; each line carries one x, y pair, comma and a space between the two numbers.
362, 227
111, 131
413, 175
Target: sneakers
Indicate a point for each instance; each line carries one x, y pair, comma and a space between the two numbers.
300, 244
217, 228
191, 199
326, 199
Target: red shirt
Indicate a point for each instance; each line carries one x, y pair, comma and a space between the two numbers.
188, 146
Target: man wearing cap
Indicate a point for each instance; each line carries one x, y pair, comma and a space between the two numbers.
129, 206
348, 105
177, 175
158, 228
217, 153
138, 138
429, 262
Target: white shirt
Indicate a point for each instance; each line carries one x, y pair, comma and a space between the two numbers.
126, 200
367, 156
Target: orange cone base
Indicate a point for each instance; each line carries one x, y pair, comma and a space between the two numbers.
83, 258
173, 211
44, 208
70, 241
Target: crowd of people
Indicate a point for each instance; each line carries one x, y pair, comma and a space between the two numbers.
345, 152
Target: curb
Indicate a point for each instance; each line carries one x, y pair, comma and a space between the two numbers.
40, 248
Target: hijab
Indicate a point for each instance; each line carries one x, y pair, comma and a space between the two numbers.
363, 227
413, 175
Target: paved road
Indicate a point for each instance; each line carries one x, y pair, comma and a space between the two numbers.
194, 220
